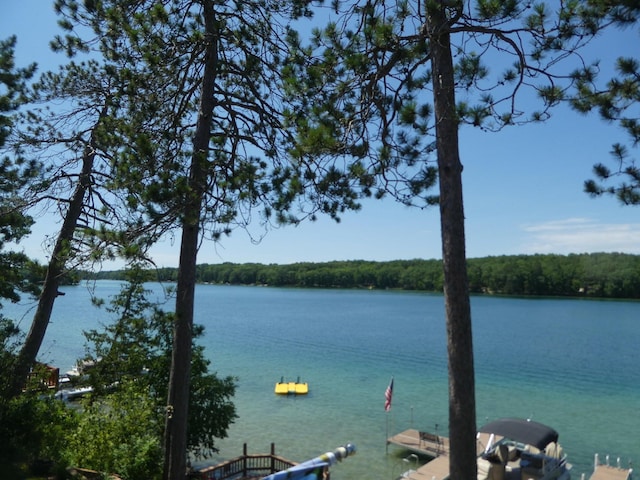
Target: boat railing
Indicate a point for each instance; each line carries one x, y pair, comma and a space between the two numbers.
244, 467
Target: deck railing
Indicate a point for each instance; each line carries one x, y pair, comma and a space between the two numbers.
246, 466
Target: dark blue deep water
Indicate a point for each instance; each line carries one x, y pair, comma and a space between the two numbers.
572, 364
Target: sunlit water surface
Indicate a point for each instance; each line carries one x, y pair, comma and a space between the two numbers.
572, 364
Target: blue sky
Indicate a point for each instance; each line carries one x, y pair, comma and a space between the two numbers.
523, 188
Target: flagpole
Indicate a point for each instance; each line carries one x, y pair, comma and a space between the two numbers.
386, 440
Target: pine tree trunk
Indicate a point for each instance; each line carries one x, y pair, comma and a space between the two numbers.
176, 431
61, 253
462, 410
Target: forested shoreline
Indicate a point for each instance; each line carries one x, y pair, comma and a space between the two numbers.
595, 275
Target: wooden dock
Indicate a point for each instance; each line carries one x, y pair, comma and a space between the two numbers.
437, 447
434, 446
604, 471
436, 469
424, 443
431, 444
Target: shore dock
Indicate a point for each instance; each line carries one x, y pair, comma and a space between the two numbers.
430, 444
607, 472
424, 443
437, 447
604, 471
434, 446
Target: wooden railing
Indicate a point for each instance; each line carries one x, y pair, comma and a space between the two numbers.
246, 466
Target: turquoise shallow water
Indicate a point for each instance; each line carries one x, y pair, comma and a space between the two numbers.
573, 364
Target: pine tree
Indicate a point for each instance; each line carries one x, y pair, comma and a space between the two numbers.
15, 171
388, 87
199, 143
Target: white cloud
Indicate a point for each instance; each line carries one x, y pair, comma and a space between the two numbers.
582, 235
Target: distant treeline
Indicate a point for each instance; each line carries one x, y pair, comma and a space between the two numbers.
602, 275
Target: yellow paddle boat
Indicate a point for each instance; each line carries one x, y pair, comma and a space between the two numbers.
291, 388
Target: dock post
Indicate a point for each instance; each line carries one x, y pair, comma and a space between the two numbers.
273, 457
244, 459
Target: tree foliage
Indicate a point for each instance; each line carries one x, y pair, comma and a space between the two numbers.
594, 275
118, 433
363, 93
73, 181
17, 269
616, 102
154, 52
135, 350
30, 429
34, 431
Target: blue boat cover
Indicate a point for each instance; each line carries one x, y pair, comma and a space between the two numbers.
523, 431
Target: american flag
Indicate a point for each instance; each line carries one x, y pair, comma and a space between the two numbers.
388, 394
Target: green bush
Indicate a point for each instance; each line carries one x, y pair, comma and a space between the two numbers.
33, 429
119, 433
33, 425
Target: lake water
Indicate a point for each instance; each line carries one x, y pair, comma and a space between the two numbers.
572, 364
